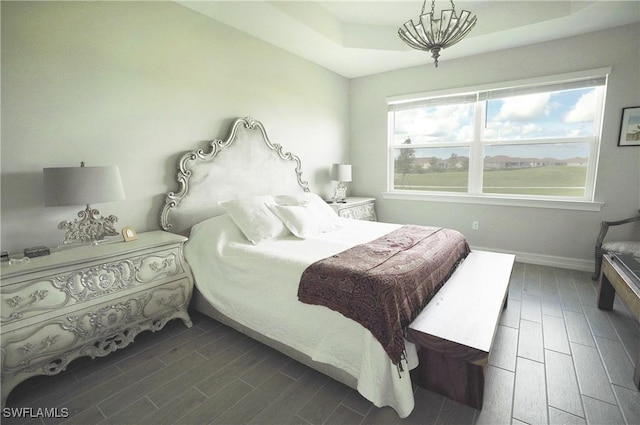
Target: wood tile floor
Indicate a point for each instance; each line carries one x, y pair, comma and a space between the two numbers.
557, 359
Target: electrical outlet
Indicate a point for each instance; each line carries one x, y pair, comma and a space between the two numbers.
475, 225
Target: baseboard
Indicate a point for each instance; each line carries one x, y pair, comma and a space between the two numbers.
547, 260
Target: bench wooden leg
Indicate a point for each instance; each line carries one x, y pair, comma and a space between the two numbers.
606, 295
453, 378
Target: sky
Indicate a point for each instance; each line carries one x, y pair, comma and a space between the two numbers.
542, 116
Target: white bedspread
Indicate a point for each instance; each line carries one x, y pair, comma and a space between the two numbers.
257, 286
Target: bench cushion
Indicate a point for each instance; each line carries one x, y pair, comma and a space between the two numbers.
624, 247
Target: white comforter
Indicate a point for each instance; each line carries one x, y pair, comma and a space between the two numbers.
257, 286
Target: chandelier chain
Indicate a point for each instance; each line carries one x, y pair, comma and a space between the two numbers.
433, 7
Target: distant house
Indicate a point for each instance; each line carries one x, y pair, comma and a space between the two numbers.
576, 162
503, 162
454, 162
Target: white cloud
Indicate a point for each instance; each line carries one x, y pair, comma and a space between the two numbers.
583, 110
531, 129
512, 130
526, 107
449, 122
575, 133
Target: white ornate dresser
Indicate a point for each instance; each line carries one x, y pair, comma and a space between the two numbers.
358, 208
88, 301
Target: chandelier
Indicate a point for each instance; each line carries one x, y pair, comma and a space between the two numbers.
434, 34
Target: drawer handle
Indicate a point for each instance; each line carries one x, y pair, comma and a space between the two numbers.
17, 301
162, 265
45, 344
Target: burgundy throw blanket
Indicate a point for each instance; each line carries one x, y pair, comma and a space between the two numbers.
384, 284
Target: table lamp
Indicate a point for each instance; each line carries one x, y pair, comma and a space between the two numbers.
340, 173
82, 185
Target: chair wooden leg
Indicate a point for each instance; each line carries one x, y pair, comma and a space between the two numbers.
596, 274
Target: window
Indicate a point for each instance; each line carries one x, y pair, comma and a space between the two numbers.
531, 140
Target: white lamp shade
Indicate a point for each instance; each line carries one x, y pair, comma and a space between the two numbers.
341, 172
81, 185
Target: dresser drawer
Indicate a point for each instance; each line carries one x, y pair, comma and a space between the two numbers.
95, 331
88, 301
356, 208
359, 212
67, 286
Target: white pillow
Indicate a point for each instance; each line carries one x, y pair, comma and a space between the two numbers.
311, 198
255, 219
303, 220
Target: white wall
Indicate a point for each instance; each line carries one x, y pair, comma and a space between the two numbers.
533, 233
135, 84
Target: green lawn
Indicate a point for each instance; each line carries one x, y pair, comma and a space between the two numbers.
550, 181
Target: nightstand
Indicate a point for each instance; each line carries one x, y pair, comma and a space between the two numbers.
88, 301
358, 208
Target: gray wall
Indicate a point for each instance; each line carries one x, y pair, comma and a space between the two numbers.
134, 84
546, 236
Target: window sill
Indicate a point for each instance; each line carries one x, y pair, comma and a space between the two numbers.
490, 200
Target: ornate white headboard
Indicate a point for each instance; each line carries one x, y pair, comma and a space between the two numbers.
245, 163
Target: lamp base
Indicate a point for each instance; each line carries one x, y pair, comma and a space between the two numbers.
340, 194
90, 227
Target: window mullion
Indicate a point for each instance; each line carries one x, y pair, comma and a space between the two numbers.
594, 158
476, 150
391, 127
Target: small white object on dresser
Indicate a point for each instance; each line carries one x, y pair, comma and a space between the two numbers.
88, 301
358, 208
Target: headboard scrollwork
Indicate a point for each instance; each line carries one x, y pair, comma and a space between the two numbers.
255, 166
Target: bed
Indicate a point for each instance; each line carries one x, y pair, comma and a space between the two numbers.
249, 268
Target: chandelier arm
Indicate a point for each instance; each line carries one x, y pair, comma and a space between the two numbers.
424, 6
425, 33
460, 29
435, 34
408, 35
445, 24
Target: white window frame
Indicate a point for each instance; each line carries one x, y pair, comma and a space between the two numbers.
474, 195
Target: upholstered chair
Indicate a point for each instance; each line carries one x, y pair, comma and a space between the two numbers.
630, 247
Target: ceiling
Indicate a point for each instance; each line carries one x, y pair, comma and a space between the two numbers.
359, 37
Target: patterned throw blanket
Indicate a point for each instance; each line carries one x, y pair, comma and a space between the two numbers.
384, 284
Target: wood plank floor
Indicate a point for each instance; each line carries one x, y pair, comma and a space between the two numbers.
557, 359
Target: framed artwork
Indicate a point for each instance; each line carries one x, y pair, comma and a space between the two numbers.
129, 234
630, 127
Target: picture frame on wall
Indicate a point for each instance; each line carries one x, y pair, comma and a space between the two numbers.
630, 127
